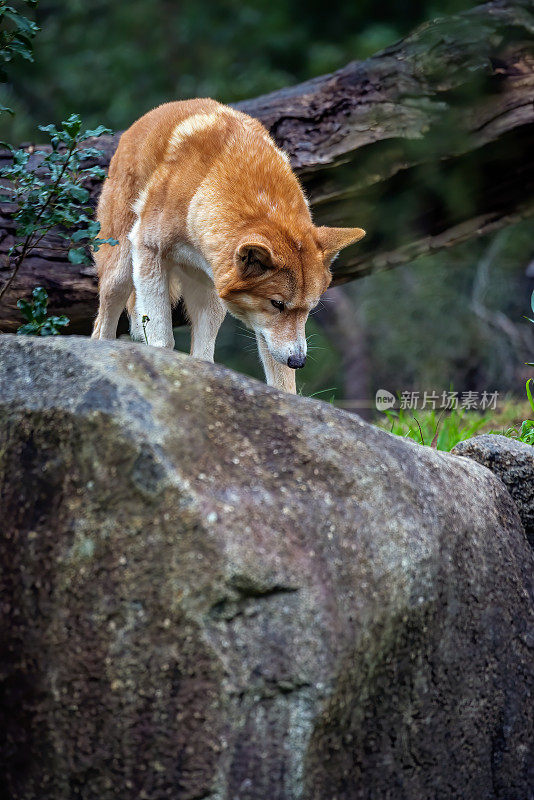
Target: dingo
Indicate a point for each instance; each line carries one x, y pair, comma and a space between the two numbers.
206, 208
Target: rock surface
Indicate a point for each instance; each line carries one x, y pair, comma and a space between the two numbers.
513, 463
211, 590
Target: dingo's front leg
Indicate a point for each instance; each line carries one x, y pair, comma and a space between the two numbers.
152, 297
205, 311
277, 375
136, 325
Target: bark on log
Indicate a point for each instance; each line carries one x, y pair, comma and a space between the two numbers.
374, 143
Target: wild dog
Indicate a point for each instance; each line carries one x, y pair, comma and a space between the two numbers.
206, 207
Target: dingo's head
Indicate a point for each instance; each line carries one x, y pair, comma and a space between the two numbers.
276, 280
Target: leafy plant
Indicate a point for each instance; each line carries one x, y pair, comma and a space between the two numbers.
52, 193
39, 323
16, 34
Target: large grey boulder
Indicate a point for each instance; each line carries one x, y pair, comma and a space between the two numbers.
513, 463
212, 590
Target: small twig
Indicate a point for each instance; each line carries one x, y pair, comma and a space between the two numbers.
434, 442
420, 430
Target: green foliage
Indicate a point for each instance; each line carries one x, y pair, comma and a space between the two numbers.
16, 34
52, 193
117, 59
39, 323
49, 192
441, 431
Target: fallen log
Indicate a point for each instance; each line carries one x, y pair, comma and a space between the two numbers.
426, 145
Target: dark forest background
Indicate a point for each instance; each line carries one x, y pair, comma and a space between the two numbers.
453, 319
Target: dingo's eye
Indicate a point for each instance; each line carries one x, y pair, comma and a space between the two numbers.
278, 304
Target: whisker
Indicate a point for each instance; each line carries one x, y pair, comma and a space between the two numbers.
321, 303
322, 391
245, 331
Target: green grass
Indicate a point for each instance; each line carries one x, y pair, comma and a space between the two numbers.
524, 432
443, 430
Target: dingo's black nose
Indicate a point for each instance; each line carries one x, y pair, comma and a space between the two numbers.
296, 362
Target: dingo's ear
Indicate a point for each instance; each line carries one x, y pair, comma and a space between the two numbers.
253, 257
332, 240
